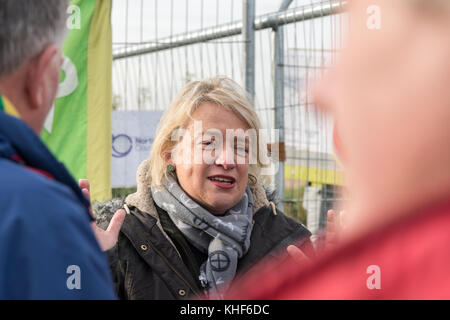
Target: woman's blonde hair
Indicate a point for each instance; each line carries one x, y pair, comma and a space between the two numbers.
220, 91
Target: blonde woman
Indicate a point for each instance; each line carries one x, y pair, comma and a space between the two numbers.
200, 214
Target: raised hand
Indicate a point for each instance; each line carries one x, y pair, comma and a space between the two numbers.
336, 225
297, 255
106, 238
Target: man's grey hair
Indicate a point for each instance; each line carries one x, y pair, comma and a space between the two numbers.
27, 27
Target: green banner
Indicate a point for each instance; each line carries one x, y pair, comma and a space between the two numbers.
67, 130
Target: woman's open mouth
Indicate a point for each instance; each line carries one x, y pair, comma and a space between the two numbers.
224, 182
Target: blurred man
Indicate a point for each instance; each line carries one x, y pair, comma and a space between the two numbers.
390, 100
47, 247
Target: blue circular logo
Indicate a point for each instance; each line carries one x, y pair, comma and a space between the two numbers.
121, 145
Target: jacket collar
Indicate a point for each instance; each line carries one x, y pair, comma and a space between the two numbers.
20, 144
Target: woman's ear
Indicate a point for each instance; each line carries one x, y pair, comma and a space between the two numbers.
168, 159
170, 165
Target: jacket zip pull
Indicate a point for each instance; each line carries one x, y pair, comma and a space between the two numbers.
274, 208
126, 208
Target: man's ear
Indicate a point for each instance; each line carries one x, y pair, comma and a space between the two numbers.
40, 77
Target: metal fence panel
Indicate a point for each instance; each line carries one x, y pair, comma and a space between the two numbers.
160, 45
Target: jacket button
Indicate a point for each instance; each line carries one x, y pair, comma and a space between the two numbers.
144, 247
181, 292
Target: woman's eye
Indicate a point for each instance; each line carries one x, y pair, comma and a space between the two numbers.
208, 144
241, 149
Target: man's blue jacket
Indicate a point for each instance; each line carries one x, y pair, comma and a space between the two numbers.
47, 247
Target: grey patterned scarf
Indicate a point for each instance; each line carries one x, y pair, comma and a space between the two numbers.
224, 238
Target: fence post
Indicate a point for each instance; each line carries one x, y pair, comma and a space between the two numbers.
248, 37
278, 94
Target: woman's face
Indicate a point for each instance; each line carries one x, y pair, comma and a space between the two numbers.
212, 165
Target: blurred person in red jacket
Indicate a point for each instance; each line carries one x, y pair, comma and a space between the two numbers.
390, 100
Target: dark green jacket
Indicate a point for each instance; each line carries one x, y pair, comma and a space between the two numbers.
148, 263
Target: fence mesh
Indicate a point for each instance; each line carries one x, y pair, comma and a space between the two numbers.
149, 81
